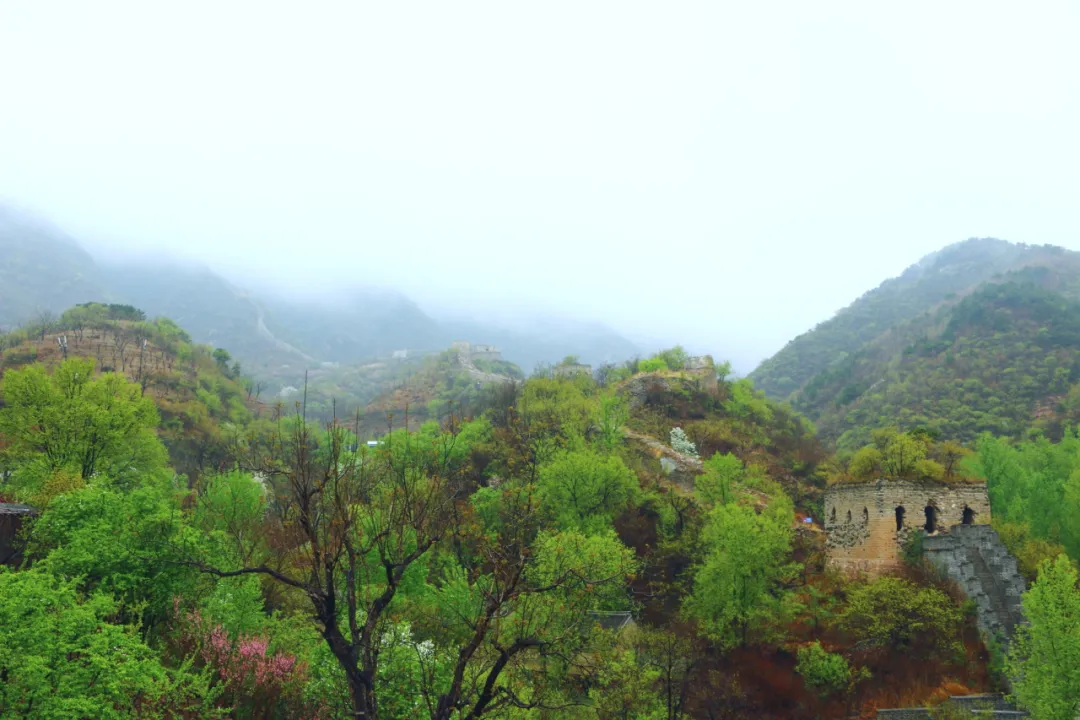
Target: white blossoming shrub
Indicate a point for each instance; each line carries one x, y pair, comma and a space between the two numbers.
681, 443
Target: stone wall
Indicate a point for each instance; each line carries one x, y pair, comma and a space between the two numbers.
571, 370
978, 705
861, 518
469, 352
974, 557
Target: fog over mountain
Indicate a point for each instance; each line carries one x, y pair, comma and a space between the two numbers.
724, 175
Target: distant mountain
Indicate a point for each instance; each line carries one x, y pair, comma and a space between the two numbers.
953, 271
983, 336
211, 309
273, 336
359, 325
548, 340
41, 269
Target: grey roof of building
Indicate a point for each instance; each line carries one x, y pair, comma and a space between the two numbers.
17, 509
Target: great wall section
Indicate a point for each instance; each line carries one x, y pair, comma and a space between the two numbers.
869, 525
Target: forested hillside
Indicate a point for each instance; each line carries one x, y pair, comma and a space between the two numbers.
41, 271
1002, 360
198, 391
641, 542
951, 346
949, 273
637, 546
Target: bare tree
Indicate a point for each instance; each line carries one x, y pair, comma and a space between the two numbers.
332, 531
44, 321
121, 339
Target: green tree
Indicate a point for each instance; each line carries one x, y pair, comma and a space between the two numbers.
739, 582
827, 673
119, 541
902, 455
719, 483
866, 463
1044, 658
371, 536
897, 614
674, 358
61, 657
222, 358
614, 413
585, 489
75, 422
654, 364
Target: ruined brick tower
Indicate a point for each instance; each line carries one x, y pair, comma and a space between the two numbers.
868, 524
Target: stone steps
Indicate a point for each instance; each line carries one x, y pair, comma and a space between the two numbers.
976, 559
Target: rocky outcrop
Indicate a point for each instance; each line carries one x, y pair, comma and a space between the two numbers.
974, 557
680, 469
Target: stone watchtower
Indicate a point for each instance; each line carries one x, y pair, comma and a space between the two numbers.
868, 523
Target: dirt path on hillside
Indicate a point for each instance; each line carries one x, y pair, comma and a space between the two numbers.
260, 327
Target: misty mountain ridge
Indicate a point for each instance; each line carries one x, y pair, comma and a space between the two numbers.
42, 269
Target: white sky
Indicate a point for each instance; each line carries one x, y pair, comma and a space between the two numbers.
727, 174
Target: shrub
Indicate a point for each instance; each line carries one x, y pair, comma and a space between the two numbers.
899, 615
681, 443
674, 358
652, 365
827, 673
929, 470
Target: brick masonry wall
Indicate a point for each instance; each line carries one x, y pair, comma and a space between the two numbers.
860, 518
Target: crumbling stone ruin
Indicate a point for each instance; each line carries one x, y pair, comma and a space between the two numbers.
470, 353
868, 524
571, 369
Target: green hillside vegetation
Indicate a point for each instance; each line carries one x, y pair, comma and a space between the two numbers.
476, 565
950, 273
434, 387
1001, 360
642, 542
199, 393
211, 310
914, 455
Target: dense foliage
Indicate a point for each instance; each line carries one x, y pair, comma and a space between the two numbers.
546, 553
999, 360
937, 278
1045, 658
1035, 494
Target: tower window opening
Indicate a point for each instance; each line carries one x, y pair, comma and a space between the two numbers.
865, 516
931, 520
832, 515
900, 518
849, 517
969, 516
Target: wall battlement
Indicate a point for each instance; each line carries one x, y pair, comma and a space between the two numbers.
868, 524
